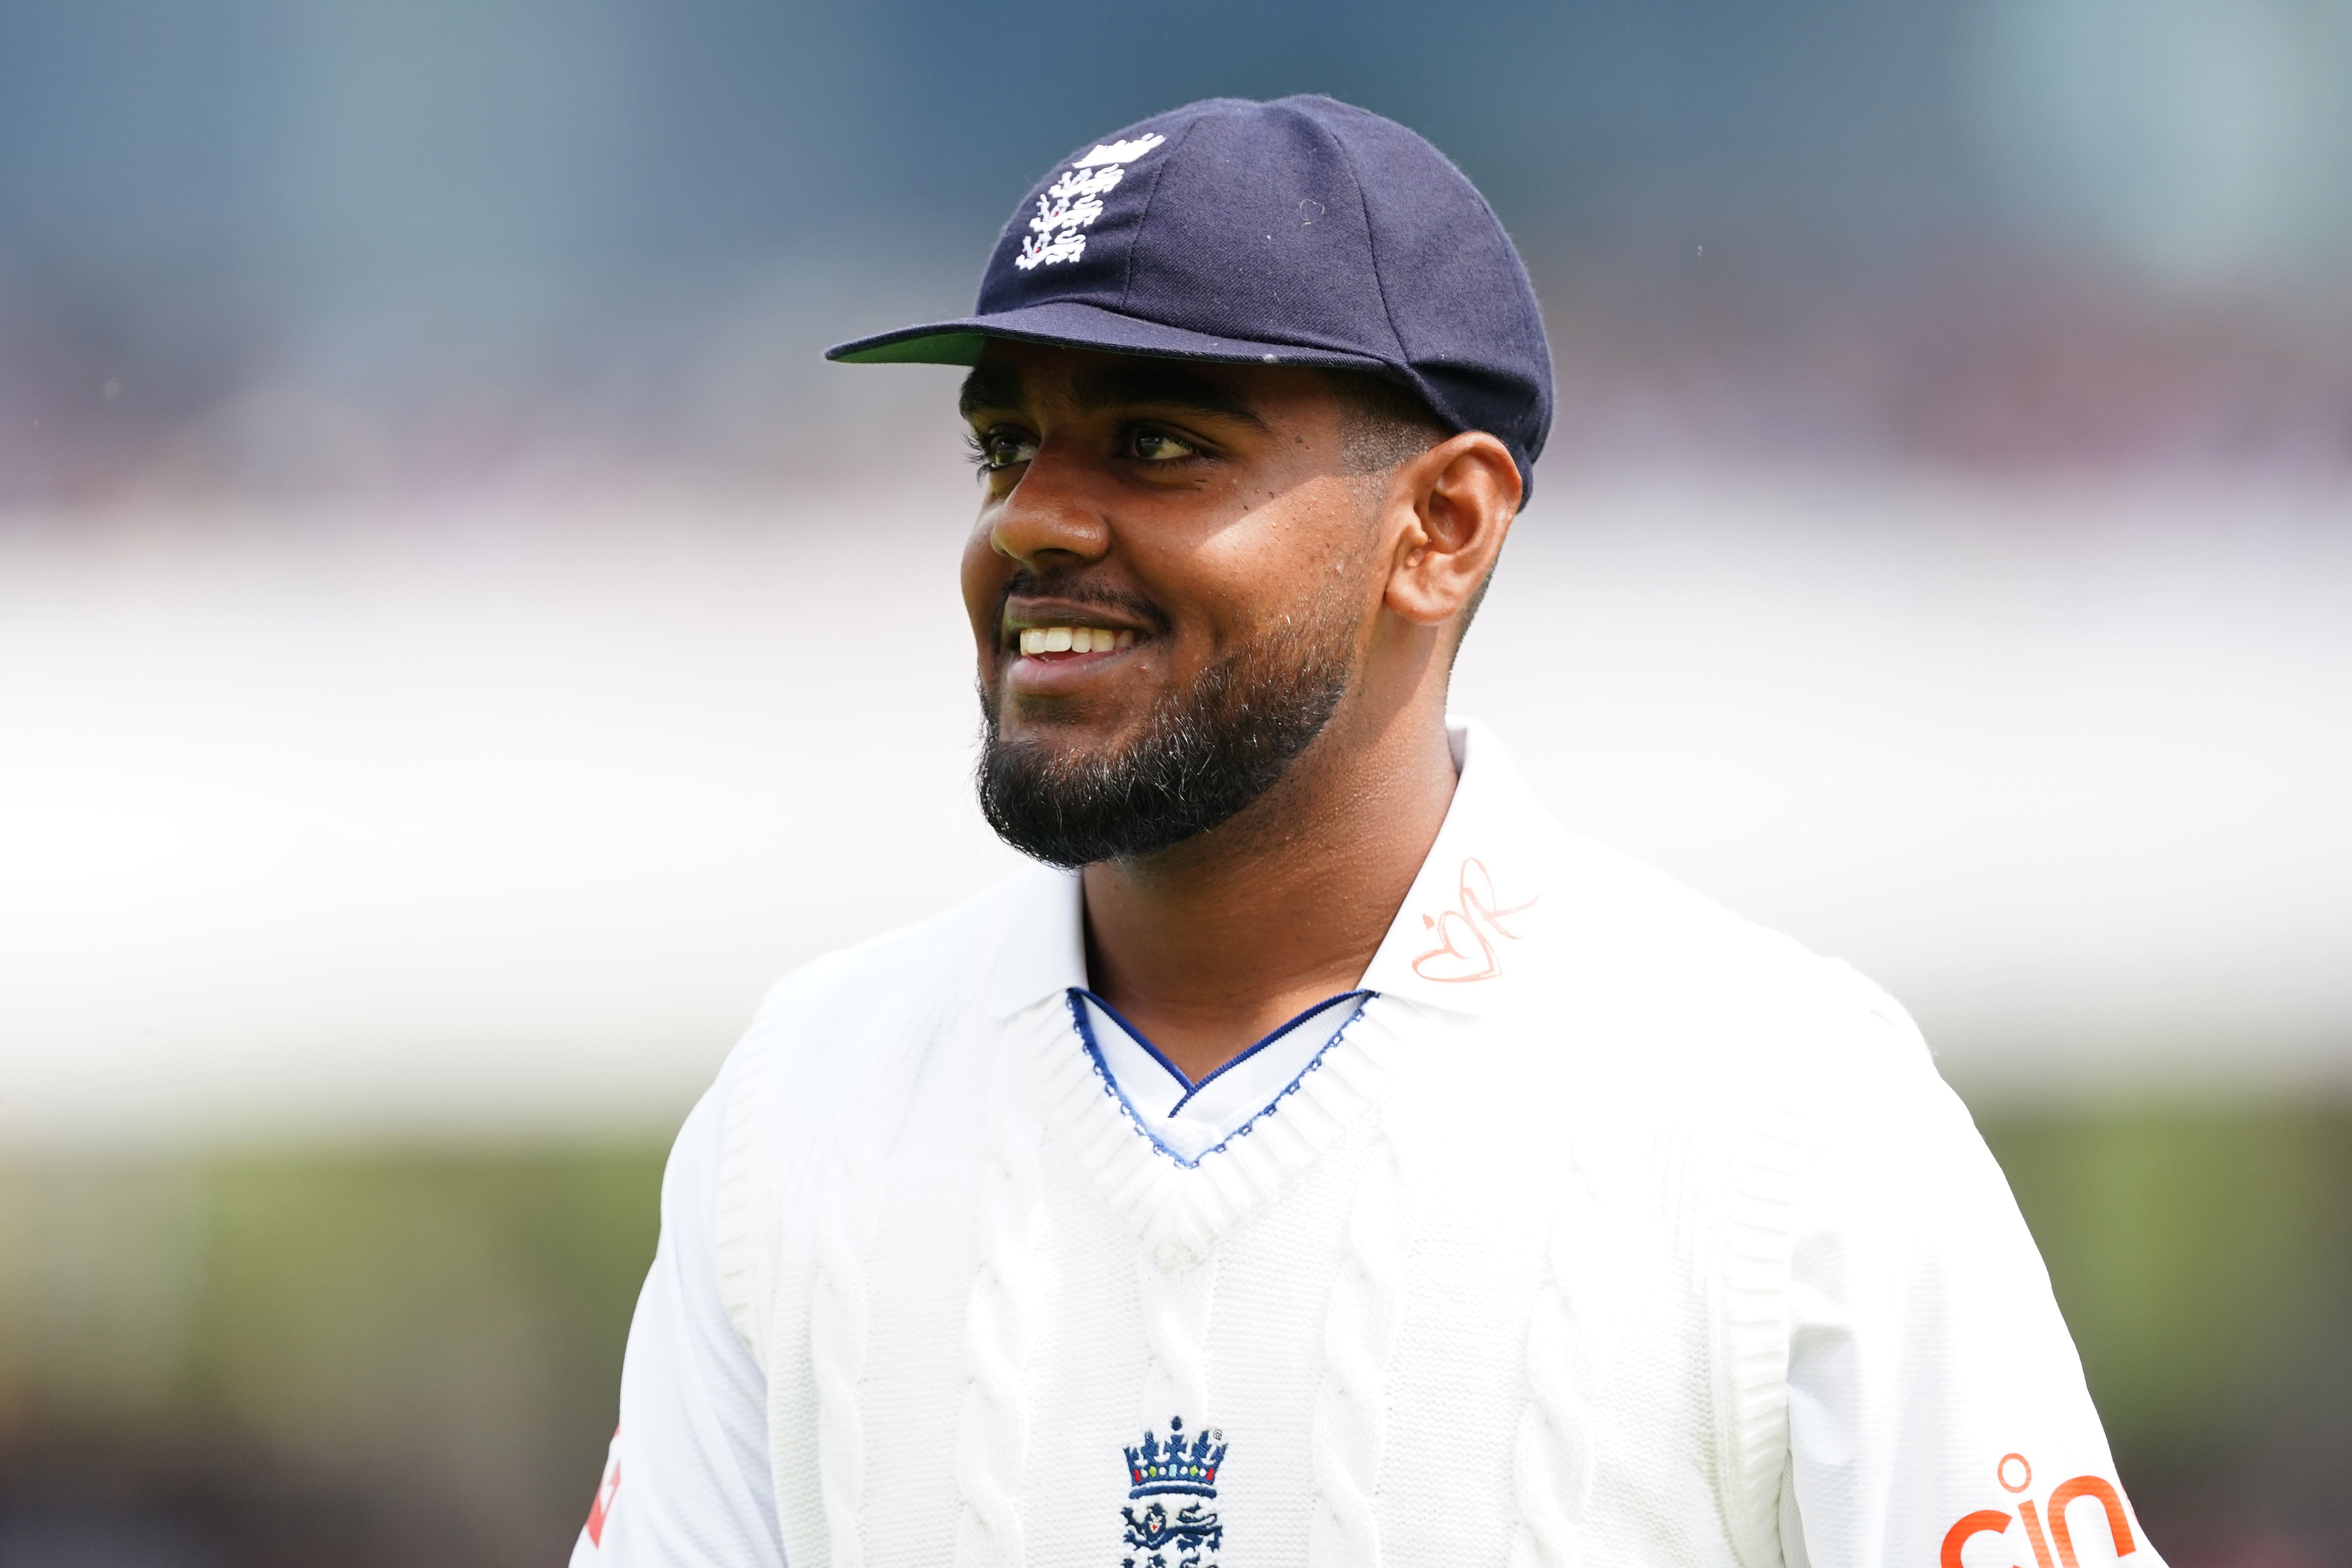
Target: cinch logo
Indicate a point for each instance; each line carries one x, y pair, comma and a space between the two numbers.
2015, 1476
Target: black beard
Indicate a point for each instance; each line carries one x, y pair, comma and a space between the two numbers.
1203, 756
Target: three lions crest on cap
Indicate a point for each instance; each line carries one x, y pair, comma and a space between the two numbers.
1072, 203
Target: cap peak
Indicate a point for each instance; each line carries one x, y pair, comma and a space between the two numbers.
1301, 231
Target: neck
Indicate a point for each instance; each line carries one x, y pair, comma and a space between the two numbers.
1212, 944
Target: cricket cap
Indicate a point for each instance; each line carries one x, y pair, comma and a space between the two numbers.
1298, 231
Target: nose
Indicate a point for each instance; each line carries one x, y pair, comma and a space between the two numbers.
1050, 518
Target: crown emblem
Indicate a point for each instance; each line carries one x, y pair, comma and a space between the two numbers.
1121, 152
1157, 1467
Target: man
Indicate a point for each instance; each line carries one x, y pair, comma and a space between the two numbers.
1324, 1158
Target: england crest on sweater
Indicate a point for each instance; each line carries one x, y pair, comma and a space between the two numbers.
1175, 1481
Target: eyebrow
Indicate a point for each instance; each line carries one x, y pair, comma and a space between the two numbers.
1162, 383
1158, 383
989, 386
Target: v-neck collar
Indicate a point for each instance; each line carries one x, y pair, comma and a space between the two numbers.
1466, 941
1189, 1121
1180, 1210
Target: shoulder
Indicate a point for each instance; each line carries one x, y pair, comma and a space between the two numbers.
1697, 987
819, 1023
930, 953
822, 1031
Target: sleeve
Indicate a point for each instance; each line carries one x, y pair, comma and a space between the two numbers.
1936, 1408
686, 1483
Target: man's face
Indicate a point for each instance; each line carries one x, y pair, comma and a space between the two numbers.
1171, 585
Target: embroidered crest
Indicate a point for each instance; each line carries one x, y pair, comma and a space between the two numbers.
1072, 203
1178, 1534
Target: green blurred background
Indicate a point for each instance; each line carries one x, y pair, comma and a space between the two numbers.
408, 1356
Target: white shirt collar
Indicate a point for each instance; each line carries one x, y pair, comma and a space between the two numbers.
1468, 935
1459, 939
1190, 1120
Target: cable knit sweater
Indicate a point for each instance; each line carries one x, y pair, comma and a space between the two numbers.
1609, 1230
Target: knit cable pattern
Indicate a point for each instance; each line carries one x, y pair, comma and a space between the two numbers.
838, 1334
1176, 1309
839, 1320
1552, 1464
1359, 1332
742, 1283
1752, 1332
1000, 1319
1180, 1216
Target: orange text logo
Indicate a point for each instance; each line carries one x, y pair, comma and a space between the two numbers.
2046, 1529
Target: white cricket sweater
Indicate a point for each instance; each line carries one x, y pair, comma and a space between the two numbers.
1611, 1231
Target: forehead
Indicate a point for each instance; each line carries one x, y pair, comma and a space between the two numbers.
1030, 377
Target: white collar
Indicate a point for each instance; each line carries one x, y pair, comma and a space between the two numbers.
1188, 1119
1459, 941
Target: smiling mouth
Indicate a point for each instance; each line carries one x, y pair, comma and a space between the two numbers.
1045, 641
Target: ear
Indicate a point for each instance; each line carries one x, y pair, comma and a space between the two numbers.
1458, 498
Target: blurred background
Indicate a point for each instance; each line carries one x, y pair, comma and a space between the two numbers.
458, 644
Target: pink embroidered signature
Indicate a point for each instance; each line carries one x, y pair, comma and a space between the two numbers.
1462, 953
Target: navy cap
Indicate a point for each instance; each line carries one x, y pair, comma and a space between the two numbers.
1299, 232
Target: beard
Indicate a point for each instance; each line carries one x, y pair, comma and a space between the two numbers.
1205, 753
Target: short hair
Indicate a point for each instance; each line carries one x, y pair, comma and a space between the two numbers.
1382, 422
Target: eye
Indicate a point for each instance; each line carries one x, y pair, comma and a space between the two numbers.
1158, 446
1002, 448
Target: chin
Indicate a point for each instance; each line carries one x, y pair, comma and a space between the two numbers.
1065, 736
1067, 722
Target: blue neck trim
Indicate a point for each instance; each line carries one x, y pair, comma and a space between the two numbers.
1078, 995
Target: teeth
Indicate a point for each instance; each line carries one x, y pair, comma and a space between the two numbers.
1074, 639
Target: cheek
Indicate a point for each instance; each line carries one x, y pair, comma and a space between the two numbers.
1311, 562
983, 574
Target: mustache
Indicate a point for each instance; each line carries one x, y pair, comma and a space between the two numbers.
1075, 587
